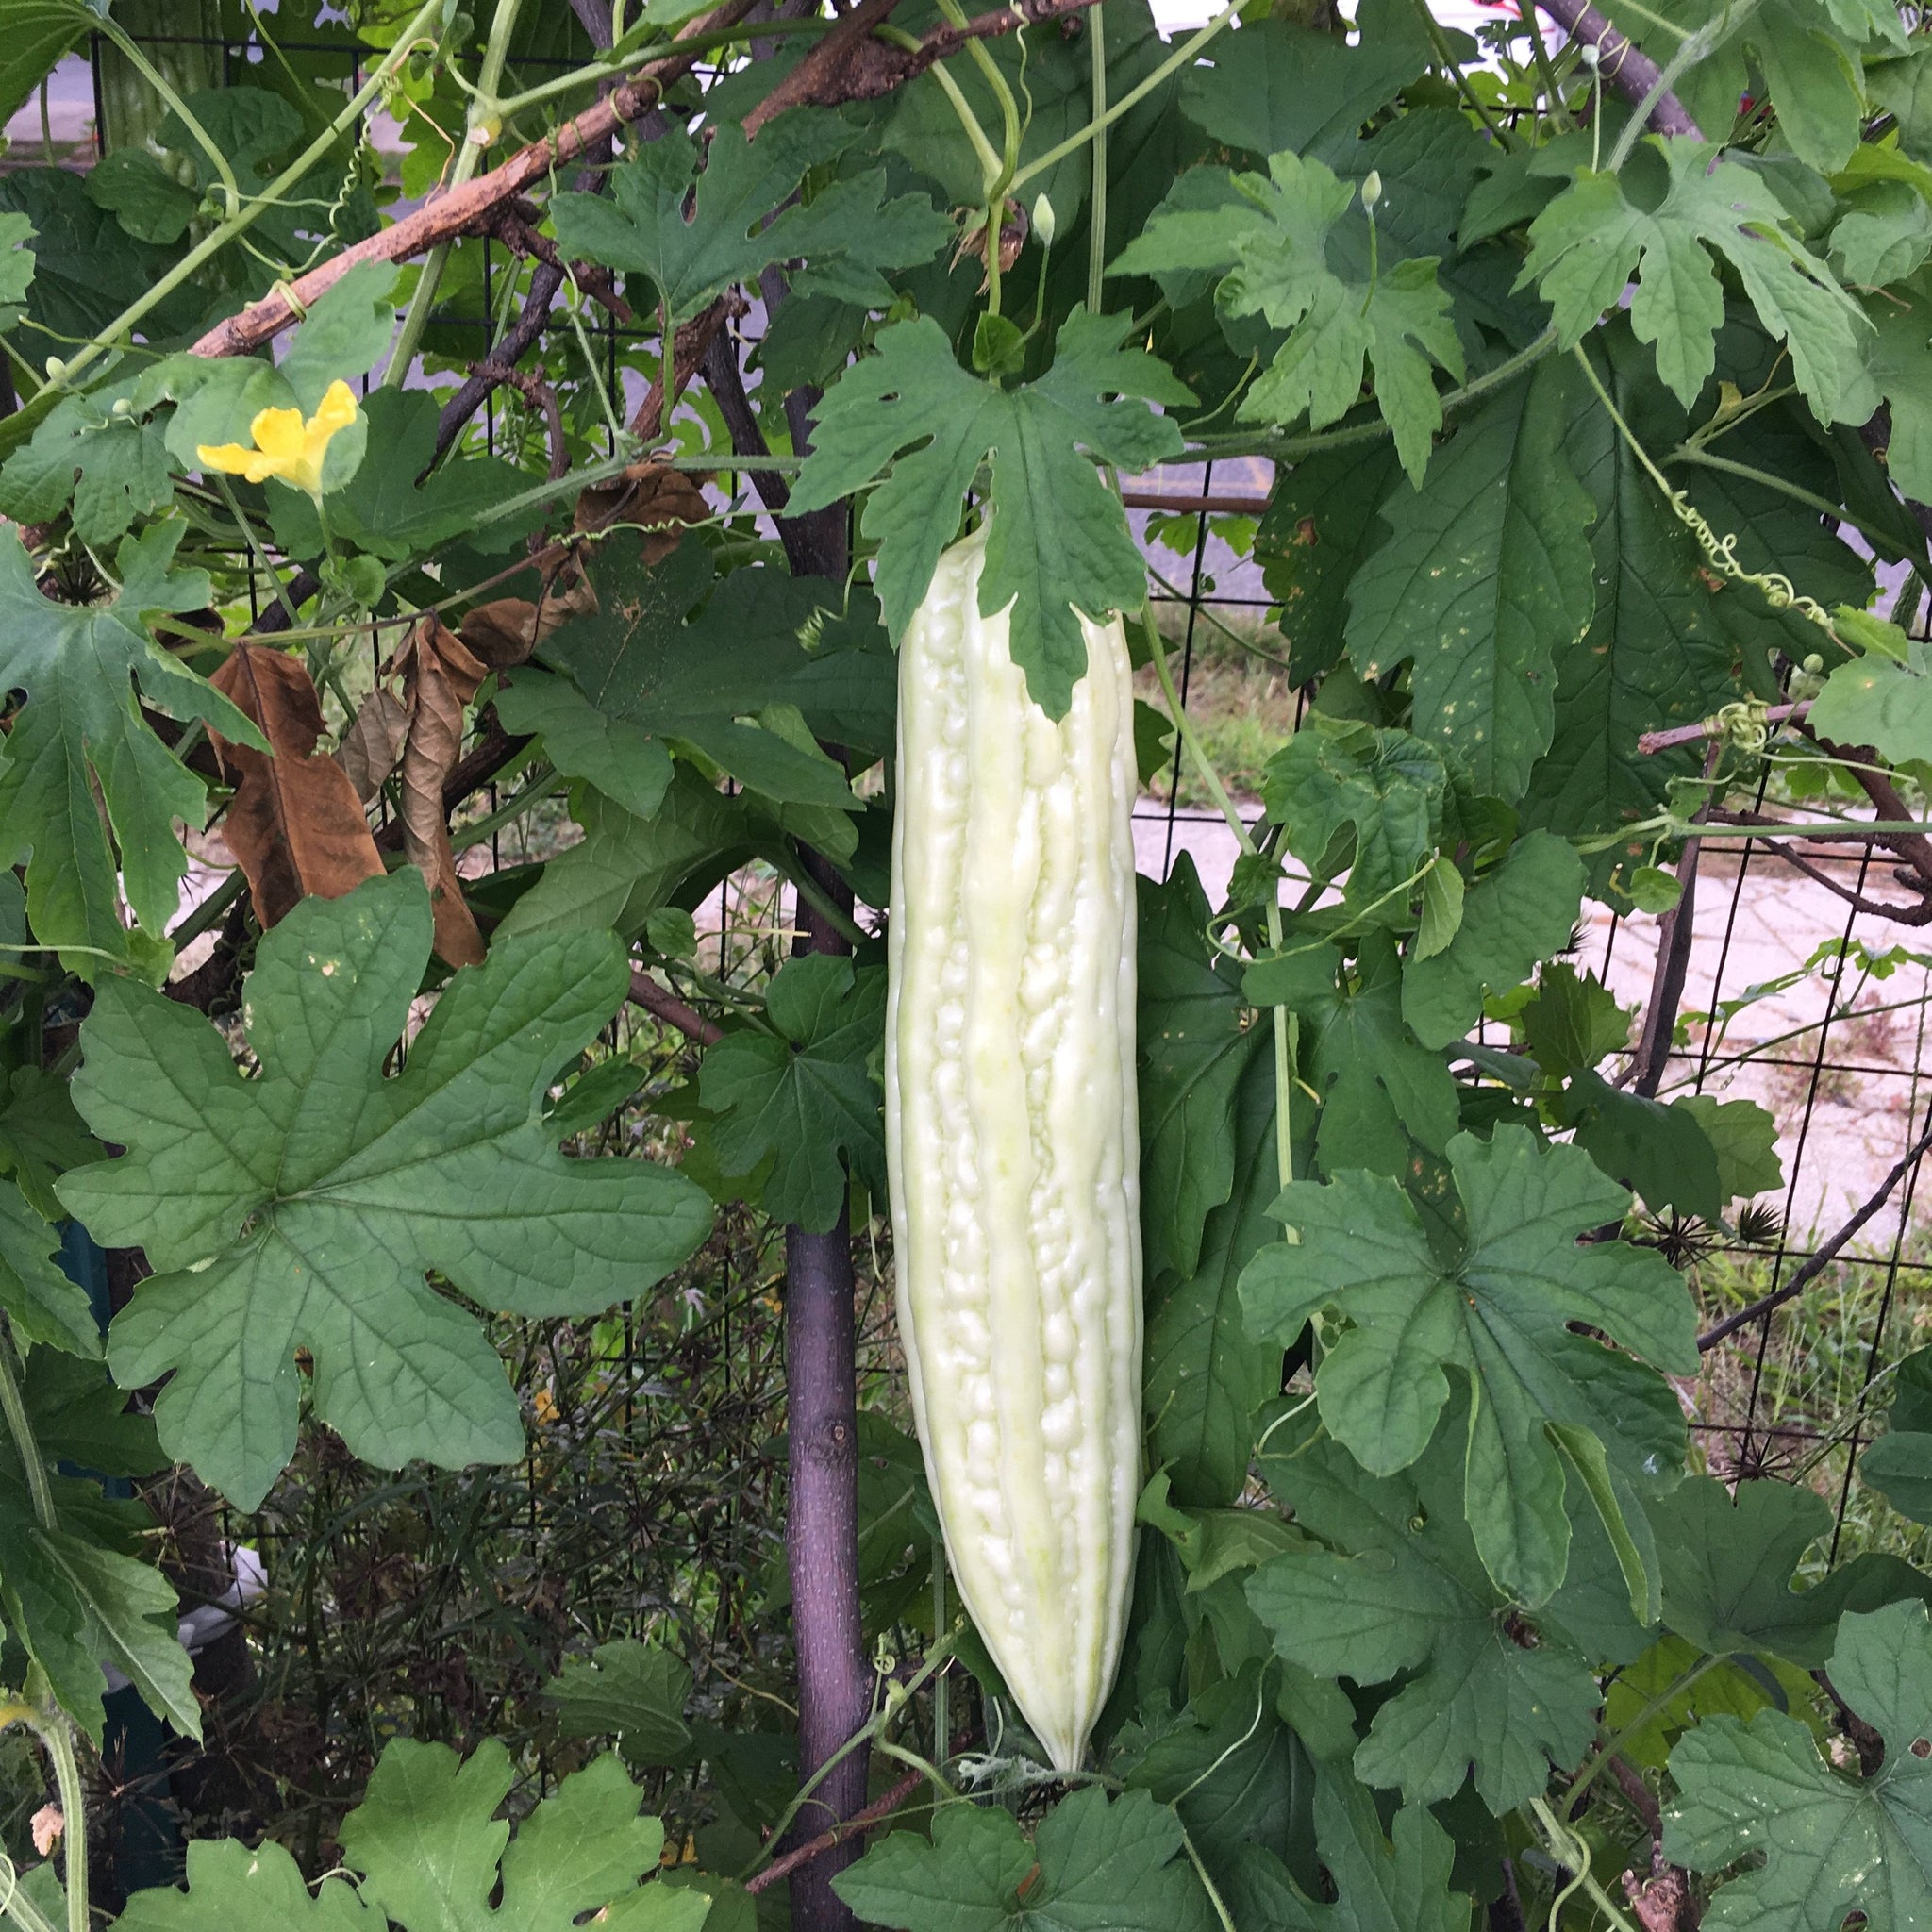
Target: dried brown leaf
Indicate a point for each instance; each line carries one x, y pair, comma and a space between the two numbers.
372, 747
662, 499
505, 631
295, 824
440, 675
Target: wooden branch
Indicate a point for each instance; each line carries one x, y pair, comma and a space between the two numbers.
1824, 1256
874, 1813
1626, 68
662, 1003
862, 70
540, 395
447, 216
1861, 760
1649, 742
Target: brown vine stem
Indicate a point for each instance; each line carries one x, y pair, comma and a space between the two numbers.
1649, 742
874, 1813
1825, 1256
862, 70
1627, 69
664, 1005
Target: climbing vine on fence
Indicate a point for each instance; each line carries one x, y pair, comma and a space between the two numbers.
559, 425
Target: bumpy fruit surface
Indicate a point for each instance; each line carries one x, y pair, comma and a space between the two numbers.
1011, 1138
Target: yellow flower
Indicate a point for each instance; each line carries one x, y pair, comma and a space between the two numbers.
286, 446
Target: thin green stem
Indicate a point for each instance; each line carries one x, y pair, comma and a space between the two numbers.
1880, 540
1183, 56
1569, 1849
597, 72
211, 911
130, 51
56, 1734
49, 1720
1540, 56
822, 903
937, 1657
14, 1904
1292, 449
1662, 1701
1284, 1022
238, 224
1452, 67
13, 1408
544, 781
1096, 192
483, 126
1706, 40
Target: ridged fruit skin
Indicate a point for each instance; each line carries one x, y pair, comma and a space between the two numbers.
1011, 1138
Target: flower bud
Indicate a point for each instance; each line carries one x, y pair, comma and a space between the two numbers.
1371, 188
1043, 220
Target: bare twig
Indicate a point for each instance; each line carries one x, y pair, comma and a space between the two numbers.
540, 395
874, 1813
1649, 742
1824, 1256
870, 70
1676, 930
664, 1005
448, 215
1626, 68
1861, 760
1918, 914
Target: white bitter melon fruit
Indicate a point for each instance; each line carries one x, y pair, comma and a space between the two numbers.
1012, 1142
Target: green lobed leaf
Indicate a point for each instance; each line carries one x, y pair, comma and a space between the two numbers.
1194, 1050
848, 232
1729, 1558
1204, 1378
1397, 1884
1275, 86
1878, 701
1899, 1464
649, 669
1059, 540
1275, 254
1522, 912
1659, 1151
1320, 528
81, 727
1593, 240
1500, 1315
111, 468
1093, 1866
302, 1207
805, 1091
1485, 579
38, 1299
1381, 1094
1656, 652
434, 1857
1389, 786
1829, 1844
630, 1691
1406, 1595
428, 1845
259, 1887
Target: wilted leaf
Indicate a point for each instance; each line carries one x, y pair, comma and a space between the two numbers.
295, 826
372, 747
440, 675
